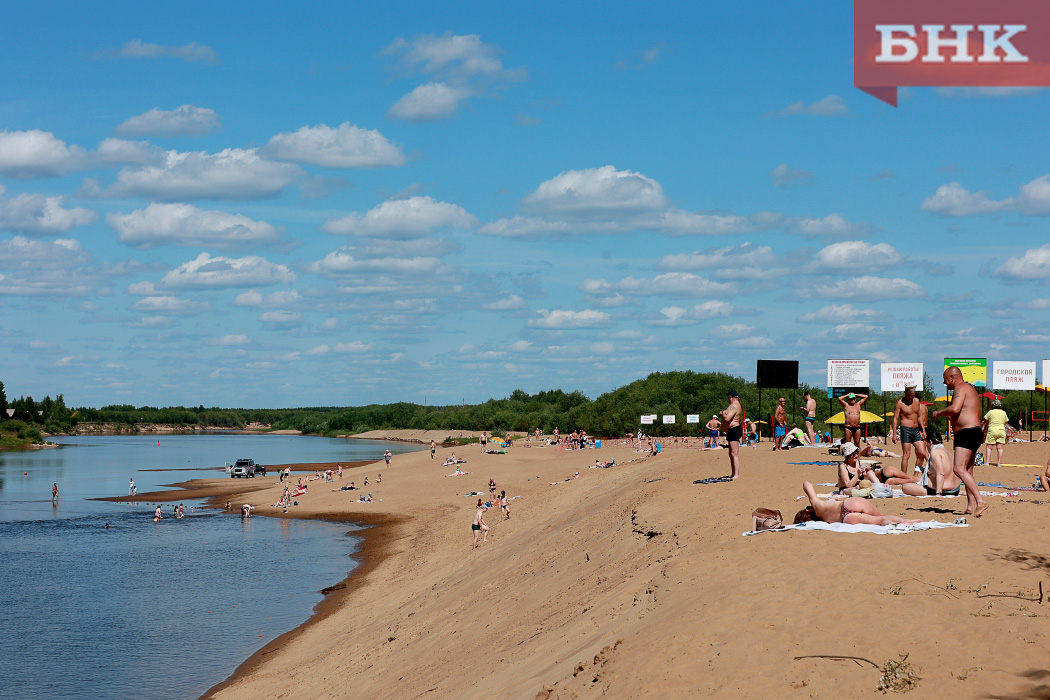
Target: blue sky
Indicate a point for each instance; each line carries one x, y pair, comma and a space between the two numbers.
332, 204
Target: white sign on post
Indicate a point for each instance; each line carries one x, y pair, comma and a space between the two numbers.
896, 376
1013, 375
848, 373
1046, 370
692, 418
668, 419
648, 420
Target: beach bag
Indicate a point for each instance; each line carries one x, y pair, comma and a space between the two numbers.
766, 519
881, 491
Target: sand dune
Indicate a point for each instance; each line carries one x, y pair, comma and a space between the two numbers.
633, 582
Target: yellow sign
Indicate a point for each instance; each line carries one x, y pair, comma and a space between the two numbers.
974, 369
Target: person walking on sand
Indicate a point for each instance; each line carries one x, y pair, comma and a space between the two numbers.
851, 408
503, 508
387, 457
908, 415
994, 426
340, 465
433, 447
810, 409
964, 414
779, 424
732, 425
131, 487
479, 526
54, 493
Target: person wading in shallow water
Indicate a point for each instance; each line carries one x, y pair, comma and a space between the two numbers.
964, 412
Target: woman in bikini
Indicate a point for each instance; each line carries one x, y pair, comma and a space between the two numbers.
851, 472
503, 508
852, 511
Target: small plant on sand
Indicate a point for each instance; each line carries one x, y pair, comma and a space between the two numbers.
898, 676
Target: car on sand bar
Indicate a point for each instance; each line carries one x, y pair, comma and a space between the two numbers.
247, 468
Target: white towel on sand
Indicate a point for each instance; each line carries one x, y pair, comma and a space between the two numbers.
897, 529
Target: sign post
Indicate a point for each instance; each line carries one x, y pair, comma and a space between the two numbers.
1015, 376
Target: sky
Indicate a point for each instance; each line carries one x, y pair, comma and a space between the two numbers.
268, 205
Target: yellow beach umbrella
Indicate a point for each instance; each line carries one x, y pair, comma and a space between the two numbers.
941, 398
865, 417
887, 414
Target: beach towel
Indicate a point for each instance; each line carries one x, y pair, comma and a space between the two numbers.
714, 480
897, 529
823, 464
1000, 485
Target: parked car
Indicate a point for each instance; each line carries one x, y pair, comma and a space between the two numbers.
246, 467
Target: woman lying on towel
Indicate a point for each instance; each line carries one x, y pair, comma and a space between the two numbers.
852, 511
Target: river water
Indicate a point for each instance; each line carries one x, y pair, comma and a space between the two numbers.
152, 610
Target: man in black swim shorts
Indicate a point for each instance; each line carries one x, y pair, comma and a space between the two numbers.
964, 413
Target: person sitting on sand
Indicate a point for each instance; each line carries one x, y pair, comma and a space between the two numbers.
852, 511
867, 449
850, 471
479, 526
938, 476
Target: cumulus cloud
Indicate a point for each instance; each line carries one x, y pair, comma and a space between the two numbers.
1033, 265
457, 67
206, 272
169, 305
596, 193
867, 289
187, 120
111, 152
831, 226
842, 313
830, 106
783, 175
235, 340
953, 199
402, 219
185, 224
558, 319
275, 300
189, 52
429, 102
35, 153
230, 174
343, 261
679, 316
745, 254
345, 146
507, 303
670, 283
37, 215
21, 253
858, 255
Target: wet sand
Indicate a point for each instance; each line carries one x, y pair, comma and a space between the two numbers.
633, 582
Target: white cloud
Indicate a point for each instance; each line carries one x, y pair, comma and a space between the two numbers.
35, 153
20, 253
745, 254
953, 199
1033, 265
429, 102
188, 52
185, 224
1034, 198
508, 303
206, 272
830, 106
352, 347
559, 319
783, 175
275, 300
523, 227
400, 219
832, 225
235, 340
169, 305
35, 214
112, 152
187, 120
319, 350
142, 289
596, 193
521, 346
672, 316
343, 261
230, 174
754, 342
281, 318
867, 289
345, 146
672, 283
858, 255
842, 313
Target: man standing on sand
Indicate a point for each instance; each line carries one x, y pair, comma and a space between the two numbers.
732, 425
964, 413
779, 423
479, 526
712, 432
810, 408
433, 446
131, 485
908, 415
851, 407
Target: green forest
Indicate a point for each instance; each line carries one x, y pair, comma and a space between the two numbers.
611, 414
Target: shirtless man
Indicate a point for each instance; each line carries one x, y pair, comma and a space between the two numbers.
964, 413
732, 425
433, 447
779, 424
938, 477
810, 409
479, 526
713, 426
851, 407
908, 415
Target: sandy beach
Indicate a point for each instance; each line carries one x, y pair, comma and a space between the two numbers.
633, 582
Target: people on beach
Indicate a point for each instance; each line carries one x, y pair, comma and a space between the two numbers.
779, 424
994, 426
504, 509
492, 489
387, 457
964, 414
851, 408
287, 472
908, 416
938, 477
851, 472
713, 426
433, 448
157, 515
479, 526
246, 510
852, 511
732, 425
379, 478
340, 471
809, 407
484, 441
1044, 483
131, 487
